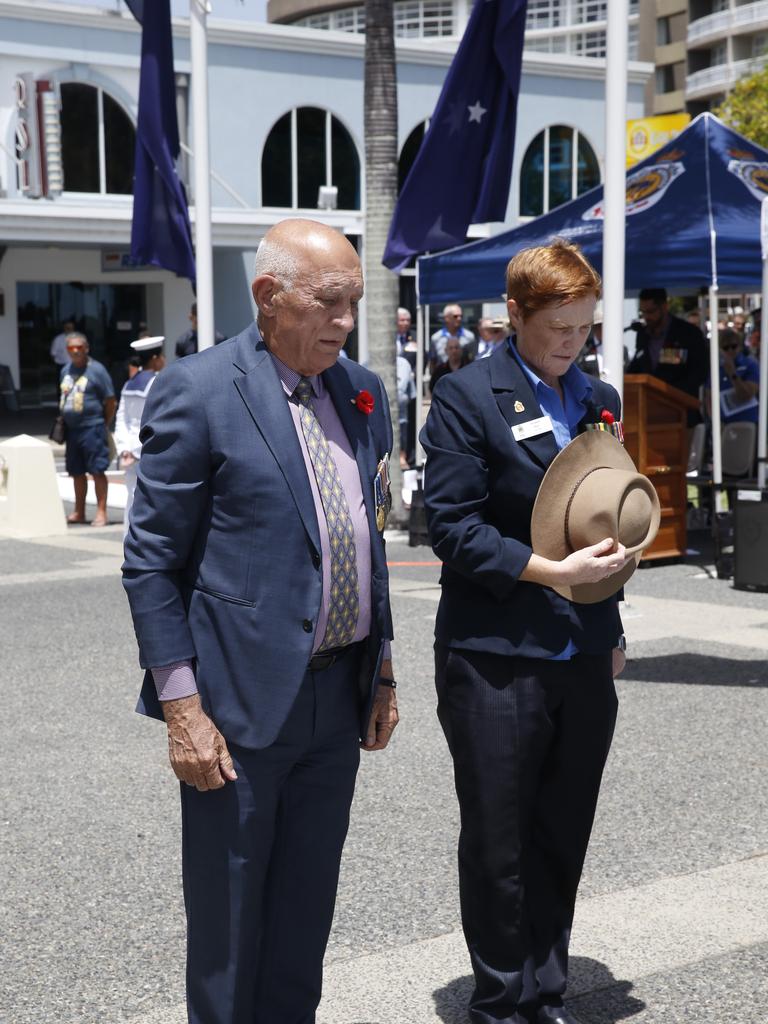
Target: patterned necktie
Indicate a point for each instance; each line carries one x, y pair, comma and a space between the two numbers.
344, 594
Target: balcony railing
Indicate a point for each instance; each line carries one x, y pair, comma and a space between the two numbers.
723, 23
721, 77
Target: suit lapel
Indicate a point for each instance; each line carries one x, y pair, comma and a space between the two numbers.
357, 428
517, 404
259, 386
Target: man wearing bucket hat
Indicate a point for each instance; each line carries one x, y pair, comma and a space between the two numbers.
133, 397
539, 518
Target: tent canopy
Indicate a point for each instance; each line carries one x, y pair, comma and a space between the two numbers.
693, 220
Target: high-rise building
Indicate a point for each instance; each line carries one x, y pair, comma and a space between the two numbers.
726, 39
663, 42
575, 27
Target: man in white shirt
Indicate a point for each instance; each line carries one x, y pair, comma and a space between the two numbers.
59, 344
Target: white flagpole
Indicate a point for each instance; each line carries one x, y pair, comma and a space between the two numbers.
198, 39
762, 417
714, 392
615, 187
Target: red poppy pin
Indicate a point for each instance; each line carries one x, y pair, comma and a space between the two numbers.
607, 417
364, 402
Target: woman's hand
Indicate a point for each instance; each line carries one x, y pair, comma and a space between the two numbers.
618, 661
587, 565
592, 564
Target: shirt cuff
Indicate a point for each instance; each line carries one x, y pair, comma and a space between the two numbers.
174, 681
387, 651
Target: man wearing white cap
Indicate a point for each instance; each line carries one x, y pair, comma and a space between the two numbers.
129, 412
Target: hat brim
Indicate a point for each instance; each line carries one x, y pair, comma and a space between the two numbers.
588, 450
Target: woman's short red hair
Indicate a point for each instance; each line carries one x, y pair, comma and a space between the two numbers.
549, 275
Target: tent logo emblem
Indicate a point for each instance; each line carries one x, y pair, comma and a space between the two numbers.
753, 174
644, 189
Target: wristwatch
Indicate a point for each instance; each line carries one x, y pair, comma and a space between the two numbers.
385, 681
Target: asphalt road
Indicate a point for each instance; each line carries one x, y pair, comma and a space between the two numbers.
672, 922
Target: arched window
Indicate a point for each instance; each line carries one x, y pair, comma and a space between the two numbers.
558, 166
97, 141
307, 148
408, 153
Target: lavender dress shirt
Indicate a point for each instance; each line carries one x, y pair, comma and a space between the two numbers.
178, 680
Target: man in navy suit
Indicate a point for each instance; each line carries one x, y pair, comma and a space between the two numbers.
257, 579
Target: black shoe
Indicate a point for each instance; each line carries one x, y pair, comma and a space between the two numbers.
555, 1015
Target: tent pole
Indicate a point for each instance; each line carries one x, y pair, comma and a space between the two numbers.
422, 328
614, 225
762, 394
714, 382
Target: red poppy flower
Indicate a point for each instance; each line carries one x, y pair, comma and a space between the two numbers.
364, 402
607, 417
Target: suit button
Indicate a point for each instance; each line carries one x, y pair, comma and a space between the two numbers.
316, 559
307, 625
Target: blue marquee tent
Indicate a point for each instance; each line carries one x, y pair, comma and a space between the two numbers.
693, 219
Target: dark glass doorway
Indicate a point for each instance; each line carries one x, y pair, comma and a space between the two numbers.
108, 314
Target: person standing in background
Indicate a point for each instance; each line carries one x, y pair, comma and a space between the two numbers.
133, 397
453, 314
669, 348
492, 331
186, 344
87, 404
59, 344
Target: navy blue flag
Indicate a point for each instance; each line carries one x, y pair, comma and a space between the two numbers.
462, 171
160, 234
136, 7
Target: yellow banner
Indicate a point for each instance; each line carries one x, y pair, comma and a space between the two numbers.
647, 134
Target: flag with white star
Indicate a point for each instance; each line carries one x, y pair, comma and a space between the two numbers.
462, 171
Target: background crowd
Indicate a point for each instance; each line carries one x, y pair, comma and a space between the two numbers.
669, 345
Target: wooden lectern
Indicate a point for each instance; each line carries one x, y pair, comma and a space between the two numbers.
656, 436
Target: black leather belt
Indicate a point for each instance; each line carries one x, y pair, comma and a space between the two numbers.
320, 661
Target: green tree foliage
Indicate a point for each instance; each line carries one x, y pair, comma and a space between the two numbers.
745, 109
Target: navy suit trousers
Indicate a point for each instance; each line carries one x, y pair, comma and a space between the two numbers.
529, 738
261, 861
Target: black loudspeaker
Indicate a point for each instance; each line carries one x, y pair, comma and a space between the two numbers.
750, 529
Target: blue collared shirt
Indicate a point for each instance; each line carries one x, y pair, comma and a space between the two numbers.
565, 417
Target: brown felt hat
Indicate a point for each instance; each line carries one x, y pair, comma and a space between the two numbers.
591, 491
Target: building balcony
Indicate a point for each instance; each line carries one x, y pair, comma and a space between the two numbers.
720, 78
747, 18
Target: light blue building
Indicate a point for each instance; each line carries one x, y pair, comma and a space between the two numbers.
286, 118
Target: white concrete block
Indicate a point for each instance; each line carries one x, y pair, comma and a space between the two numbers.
30, 505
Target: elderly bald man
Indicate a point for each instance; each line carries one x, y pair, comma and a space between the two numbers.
257, 579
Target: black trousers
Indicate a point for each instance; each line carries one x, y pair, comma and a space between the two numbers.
529, 739
260, 861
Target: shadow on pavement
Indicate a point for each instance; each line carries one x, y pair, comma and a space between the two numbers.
607, 1001
699, 669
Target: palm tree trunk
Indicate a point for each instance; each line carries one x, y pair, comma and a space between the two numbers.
381, 287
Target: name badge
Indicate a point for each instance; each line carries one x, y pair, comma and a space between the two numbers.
532, 428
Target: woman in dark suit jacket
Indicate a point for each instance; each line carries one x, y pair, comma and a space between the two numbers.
524, 677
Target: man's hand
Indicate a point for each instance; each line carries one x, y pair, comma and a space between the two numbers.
384, 717
197, 750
